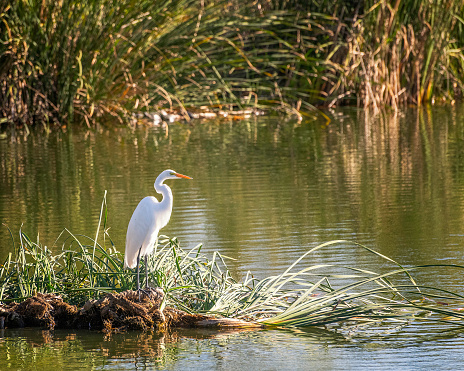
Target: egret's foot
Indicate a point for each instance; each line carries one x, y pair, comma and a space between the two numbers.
154, 293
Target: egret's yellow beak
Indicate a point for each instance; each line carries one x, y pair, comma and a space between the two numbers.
182, 176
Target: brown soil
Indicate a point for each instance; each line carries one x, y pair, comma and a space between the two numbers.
112, 313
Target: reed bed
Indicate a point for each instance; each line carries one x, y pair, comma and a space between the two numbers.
66, 61
404, 52
110, 58
305, 294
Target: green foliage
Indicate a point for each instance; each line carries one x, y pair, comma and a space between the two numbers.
82, 270
303, 295
322, 294
67, 60
107, 57
59, 58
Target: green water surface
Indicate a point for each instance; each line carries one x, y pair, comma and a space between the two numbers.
264, 191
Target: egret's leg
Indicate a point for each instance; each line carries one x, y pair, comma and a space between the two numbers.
138, 271
146, 272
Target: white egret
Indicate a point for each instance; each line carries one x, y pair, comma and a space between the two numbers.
148, 218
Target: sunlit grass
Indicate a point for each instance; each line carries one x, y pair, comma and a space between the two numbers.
305, 294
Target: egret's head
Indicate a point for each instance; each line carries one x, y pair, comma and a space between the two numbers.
171, 174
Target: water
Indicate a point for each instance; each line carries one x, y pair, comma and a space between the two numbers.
190, 350
264, 192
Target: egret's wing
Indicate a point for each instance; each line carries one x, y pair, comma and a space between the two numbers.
141, 224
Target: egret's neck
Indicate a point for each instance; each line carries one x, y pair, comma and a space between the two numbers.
163, 189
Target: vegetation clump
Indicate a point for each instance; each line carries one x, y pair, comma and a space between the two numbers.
84, 286
39, 288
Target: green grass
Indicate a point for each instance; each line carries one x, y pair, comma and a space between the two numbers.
60, 61
103, 60
305, 294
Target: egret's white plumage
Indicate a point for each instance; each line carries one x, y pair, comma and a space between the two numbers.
148, 218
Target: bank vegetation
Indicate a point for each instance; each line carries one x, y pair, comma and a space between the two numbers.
81, 61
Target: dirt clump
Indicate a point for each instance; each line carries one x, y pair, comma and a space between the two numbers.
41, 310
123, 311
114, 312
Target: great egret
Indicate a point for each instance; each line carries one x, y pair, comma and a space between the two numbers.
148, 218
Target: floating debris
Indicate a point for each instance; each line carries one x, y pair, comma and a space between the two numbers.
164, 117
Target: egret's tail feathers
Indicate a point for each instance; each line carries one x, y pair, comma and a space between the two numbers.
132, 263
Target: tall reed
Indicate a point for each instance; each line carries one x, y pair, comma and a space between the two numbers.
65, 58
64, 61
402, 52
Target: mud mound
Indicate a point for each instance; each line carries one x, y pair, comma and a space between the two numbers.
114, 312
41, 310
123, 311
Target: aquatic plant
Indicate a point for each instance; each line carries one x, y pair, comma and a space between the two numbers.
303, 295
405, 52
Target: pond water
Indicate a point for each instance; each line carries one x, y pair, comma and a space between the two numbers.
265, 190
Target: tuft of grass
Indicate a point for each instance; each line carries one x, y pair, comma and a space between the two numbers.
303, 295
83, 269
323, 294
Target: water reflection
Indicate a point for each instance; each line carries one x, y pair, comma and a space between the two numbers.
33, 348
264, 349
